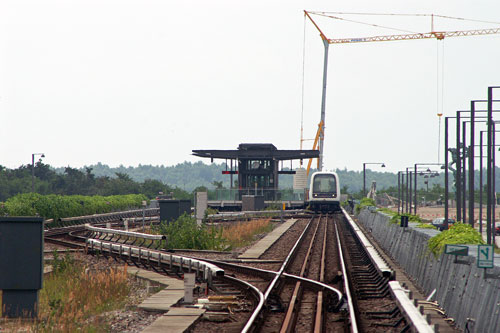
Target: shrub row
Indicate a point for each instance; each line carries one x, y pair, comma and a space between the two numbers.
54, 206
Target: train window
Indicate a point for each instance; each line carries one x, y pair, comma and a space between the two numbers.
324, 184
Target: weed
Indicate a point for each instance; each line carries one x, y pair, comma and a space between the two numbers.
72, 297
242, 233
365, 202
426, 226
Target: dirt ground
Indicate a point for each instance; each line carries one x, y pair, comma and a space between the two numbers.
432, 212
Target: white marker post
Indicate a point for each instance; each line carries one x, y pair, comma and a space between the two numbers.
189, 282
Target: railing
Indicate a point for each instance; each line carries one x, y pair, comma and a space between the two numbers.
269, 194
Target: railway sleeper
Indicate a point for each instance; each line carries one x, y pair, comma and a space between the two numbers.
364, 269
379, 288
225, 288
392, 324
370, 277
384, 314
365, 296
370, 283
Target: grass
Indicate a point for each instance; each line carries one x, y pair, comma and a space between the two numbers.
243, 233
365, 202
73, 296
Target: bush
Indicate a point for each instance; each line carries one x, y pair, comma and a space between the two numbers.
458, 234
186, 234
59, 206
365, 202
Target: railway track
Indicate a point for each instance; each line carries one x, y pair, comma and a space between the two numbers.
66, 231
330, 255
331, 280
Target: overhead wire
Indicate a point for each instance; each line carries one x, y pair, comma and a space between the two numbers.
303, 84
407, 14
368, 24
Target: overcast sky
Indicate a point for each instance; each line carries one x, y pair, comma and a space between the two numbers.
146, 82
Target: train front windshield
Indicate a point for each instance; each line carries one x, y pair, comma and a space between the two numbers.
325, 184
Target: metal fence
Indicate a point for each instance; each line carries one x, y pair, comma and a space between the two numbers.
269, 194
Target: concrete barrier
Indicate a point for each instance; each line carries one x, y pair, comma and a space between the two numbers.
468, 294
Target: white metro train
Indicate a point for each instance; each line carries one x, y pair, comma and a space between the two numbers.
324, 192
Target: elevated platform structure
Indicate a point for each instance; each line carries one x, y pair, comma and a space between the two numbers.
257, 165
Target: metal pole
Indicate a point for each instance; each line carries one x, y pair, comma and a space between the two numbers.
493, 186
415, 190
231, 177
488, 166
481, 182
409, 198
403, 191
464, 172
458, 179
399, 190
33, 173
364, 179
471, 165
446, 172
323, 105
406, 195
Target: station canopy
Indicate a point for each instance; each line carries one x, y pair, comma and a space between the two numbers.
258, 151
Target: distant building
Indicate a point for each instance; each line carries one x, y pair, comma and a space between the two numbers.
257, 164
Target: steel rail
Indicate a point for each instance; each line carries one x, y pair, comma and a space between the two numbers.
312, 284
318, 321
347, 290
405, 305
245, 285
291, 315
250, 323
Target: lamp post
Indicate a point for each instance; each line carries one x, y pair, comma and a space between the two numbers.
401, 191
364, 174
415, 180
42, 155
481, 156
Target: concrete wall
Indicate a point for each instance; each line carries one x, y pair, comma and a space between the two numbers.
461, 288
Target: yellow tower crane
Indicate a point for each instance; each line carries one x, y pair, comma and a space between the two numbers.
439, 35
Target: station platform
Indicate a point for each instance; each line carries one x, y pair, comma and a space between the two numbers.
175, 320
265, 243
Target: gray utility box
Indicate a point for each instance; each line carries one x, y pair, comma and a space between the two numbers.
171, 209
184, 207
21, 264
252, 202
